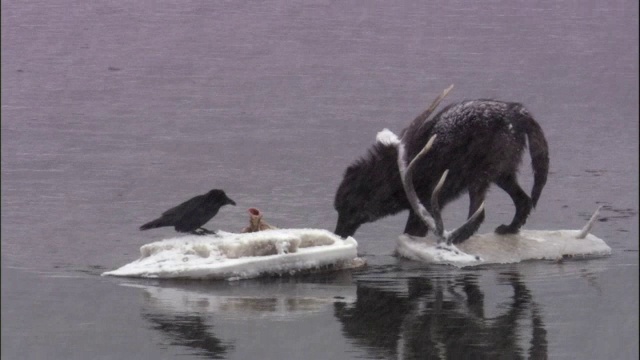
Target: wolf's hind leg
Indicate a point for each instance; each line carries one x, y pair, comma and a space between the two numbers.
476, 198
521, 200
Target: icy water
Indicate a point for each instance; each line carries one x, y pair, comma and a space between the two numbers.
112, 112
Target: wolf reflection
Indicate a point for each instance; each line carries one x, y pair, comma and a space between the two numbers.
190, 331
441, 319
422, 317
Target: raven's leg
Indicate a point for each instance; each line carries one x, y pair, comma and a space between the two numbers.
521, 200
476, 197
197, 232
415, 226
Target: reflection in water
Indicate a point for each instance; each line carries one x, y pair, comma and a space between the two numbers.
266, 298
184, 311
444, 319
375, 319
190, 331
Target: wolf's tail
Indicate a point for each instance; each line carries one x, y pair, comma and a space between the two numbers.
538, 149
160, 222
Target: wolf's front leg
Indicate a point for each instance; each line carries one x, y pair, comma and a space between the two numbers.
415, 226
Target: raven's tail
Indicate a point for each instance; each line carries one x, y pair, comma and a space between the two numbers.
160, 222
539, 151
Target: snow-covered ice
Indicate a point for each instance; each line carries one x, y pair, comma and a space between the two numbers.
233, 256
492, 248
240, 256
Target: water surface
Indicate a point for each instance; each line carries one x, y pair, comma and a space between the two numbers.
112, 113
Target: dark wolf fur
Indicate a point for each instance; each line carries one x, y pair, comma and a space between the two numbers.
479, 141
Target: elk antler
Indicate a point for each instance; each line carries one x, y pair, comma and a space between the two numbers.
406, 175
418, 121
433, 220
585, 230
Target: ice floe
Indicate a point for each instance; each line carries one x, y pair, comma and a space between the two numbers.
241, 256
492, 248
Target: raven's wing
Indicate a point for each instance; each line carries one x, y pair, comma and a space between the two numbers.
194, 218
185, 207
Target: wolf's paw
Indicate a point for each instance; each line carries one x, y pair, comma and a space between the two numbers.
505, 229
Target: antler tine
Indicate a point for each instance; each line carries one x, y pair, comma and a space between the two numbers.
435, 204
467, 229
421, 154
585, 230
425, 115
461, 233
464, 231
406, 175
437, 101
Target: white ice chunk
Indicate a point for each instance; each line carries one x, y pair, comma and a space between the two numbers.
240, 256
492, 248
432, 253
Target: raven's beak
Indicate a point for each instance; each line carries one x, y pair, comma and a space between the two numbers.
231, 202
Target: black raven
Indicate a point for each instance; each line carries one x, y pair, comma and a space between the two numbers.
189, 216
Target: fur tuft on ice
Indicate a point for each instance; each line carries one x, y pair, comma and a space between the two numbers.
492, 248
240, 256
387, 137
